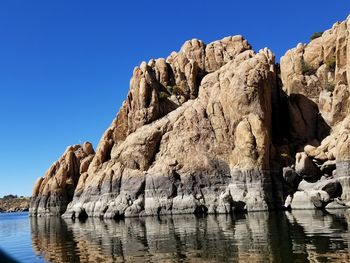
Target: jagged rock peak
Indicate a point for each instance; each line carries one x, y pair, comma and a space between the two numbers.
188, 158
219, 128
162, 85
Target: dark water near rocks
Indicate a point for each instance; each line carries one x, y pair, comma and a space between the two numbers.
300, 236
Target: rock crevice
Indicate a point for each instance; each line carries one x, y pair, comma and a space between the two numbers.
217, 128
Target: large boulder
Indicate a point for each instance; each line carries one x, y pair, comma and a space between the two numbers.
325, 169
305, 167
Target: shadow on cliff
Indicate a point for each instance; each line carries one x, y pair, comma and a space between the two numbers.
296, 121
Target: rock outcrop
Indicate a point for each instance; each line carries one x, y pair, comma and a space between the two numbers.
217, 128
53, 192
13, 203
201, 155
320, 71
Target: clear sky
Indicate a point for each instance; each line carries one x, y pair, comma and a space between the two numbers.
65, 65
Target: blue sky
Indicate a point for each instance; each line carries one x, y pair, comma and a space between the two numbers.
65, 65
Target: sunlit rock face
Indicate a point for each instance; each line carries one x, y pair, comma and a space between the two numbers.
217, 128
53, 192
320, 71
208, 154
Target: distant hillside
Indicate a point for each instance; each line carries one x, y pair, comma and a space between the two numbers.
13, 203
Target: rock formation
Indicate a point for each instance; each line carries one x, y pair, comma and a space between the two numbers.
55, 190
320, 71
187, 161
217, 128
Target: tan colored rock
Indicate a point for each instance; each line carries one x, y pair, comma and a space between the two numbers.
333, 158
304, 166
37, 185
13, 203
320, 71
55, 190
209, 130
187, 161
162, 85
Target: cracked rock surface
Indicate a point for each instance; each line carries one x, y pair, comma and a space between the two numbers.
217, 128
188, 160
53, 192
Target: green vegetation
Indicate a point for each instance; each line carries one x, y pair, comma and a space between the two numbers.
7, 197
329, 86
285, 158
13, 203
307, 69
173, 90
163, 95
285, 155
330, 64
315, 35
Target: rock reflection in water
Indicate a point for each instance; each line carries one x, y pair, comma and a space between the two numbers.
256, 237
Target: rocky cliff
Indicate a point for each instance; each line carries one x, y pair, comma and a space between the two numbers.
320, 72
53, 192
217, 128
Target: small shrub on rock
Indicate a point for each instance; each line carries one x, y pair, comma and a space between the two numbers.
330, 64
329, 86
173, 90
315, 35
307, 69
163, 95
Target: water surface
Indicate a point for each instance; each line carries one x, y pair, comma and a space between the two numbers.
299, 236
16, 238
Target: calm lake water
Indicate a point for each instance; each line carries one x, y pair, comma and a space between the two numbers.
299, 236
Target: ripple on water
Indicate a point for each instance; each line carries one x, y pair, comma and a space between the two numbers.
299, 236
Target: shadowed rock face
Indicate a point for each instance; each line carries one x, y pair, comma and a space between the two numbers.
217, 128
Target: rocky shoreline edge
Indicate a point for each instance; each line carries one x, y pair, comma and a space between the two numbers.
13, 203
